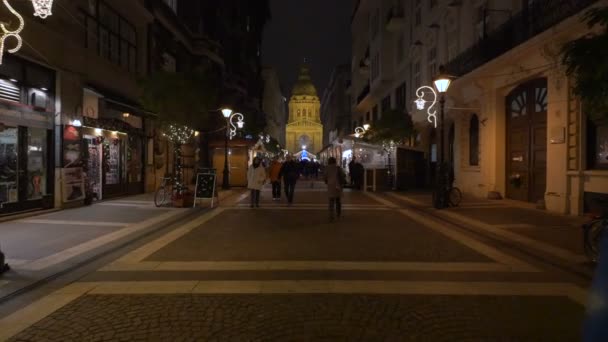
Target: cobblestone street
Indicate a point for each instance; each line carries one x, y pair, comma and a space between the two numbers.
387, 271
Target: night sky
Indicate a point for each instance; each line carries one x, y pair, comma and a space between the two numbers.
316, 29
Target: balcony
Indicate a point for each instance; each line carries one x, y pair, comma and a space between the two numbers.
523, 26
395, 19
363, 94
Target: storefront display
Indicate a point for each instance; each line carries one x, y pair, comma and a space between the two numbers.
72, 155
93, 166
112, 157
9, 165
73, 184
36, 163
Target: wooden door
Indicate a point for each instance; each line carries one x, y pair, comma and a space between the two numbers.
526, 109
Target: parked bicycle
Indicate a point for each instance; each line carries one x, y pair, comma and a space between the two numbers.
449, 196
452, 196
164, 194
594, 230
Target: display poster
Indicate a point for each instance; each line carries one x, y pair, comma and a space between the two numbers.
112, 156
73, 184
72, 154
205, 186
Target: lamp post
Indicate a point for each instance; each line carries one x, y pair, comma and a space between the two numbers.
359, 133
442, 83
230, 133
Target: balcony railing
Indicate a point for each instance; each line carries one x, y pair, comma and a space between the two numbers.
523, 26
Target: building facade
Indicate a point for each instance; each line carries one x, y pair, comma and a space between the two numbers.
304, 130
335, 105
274, 105
512, 127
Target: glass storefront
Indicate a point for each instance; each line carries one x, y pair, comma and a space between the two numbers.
105, 163
25, 177
9, 166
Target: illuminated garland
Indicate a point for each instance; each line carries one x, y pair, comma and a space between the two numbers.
179, 134
42, 8
6, 33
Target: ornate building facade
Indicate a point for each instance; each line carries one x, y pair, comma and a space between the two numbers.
304, 130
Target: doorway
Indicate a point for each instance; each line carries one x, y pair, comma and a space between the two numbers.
526, 165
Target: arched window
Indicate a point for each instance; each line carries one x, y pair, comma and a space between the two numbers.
474, 141
298, 113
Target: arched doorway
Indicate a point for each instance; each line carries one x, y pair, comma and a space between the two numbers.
526, 165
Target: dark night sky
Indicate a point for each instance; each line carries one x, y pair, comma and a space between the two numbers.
316, 29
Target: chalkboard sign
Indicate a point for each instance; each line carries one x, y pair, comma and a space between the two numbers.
205, 186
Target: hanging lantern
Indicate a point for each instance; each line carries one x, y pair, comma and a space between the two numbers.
42, 8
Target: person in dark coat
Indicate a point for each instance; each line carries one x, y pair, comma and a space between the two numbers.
359, 173
335, 180
290, 172
351, 170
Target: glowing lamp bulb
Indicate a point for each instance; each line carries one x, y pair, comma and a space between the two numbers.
366, 127
240, 124
420, 103
226, 112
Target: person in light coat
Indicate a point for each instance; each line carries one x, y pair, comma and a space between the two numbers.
335, 180
256, 178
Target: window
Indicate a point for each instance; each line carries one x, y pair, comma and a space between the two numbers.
400, 96
375, 114
375, 66
417, 74
111, 36
597, 144
9, 165
474, 141
432, 62
400, 47
386, 104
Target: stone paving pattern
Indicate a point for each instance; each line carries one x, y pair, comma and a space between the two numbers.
309, 318
249, 235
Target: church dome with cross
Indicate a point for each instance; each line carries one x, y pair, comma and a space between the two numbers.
304, 131
304, 85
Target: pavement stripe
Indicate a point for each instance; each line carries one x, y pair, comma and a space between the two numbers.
509, 235
514, 225
309, 266
480, 288
114, 204
76, 223
3, 282
69, 253
148, 249
381, 200
17, 262
29, 315
304, 208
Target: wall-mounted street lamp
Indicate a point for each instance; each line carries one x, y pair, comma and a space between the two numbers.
442, 84
230, 133
360, 131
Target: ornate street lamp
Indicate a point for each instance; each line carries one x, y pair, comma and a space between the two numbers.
442, 84
231, 128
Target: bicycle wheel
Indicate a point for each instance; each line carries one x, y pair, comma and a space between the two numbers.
593, 234
455, 196
160, 197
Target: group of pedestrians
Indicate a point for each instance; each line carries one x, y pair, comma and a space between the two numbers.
356, 172
286, 174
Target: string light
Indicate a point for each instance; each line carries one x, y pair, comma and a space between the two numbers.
6, 33
179, 134
42, 8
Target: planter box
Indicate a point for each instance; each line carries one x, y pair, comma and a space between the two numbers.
186, 200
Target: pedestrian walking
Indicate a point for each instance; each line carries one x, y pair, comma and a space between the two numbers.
256, 178
335, 180
275, 178
290, 171
358, 174
351, 170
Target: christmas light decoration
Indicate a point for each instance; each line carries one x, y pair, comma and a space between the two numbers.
42, 8
178, 134
6, 33
421, 102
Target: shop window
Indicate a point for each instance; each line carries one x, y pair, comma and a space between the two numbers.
597, 144
37, 151
9, 190
474, 141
